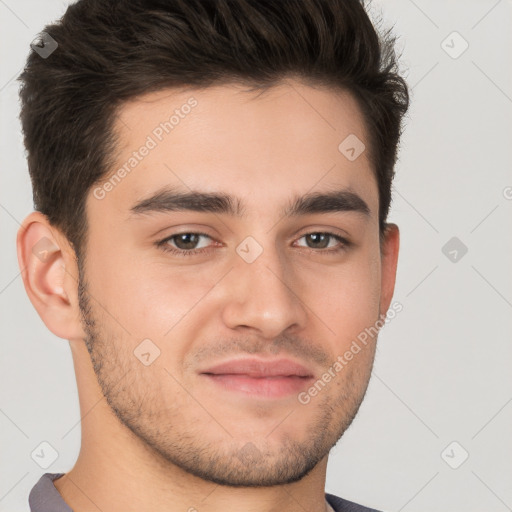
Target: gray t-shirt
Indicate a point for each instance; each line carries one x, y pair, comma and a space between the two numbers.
44, 497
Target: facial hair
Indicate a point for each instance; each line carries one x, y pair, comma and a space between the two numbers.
175, 439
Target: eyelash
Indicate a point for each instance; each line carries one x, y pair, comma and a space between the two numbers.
162, 244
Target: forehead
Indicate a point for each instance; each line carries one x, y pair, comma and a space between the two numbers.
260, 145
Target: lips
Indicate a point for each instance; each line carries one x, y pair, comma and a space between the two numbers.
261, 379
258, 368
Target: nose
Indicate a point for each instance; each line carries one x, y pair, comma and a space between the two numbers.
264, 296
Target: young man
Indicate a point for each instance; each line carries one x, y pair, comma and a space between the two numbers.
211, 183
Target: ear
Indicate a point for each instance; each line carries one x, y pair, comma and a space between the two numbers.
389, 260
50, 275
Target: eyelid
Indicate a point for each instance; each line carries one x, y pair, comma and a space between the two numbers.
330, 230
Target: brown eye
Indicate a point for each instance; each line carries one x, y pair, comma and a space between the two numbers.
318, 240
186, 240
186, 244
328, 241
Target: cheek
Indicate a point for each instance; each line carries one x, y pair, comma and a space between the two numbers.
155, 300
346, 298
135, 303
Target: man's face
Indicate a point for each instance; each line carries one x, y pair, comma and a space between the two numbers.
255, 283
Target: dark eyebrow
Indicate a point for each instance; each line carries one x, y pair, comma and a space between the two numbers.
168, 199
324, 202
171, 200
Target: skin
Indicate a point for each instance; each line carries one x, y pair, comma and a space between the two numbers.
162, 437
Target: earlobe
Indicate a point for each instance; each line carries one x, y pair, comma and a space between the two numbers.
389, 261
49, 273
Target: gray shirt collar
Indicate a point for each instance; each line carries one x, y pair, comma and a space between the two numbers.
44, 496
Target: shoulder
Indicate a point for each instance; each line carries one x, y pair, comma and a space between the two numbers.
44, 496
343, 505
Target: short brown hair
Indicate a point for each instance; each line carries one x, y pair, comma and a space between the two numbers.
112, 50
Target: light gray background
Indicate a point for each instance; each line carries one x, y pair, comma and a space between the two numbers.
442, 370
